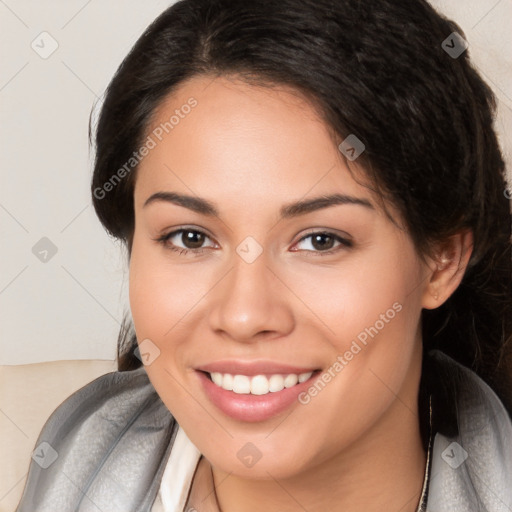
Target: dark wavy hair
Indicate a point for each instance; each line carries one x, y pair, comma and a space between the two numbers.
376, 69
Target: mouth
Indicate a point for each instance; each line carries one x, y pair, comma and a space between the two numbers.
257, 384
252, 396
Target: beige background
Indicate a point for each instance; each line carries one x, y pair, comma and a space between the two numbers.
60, 319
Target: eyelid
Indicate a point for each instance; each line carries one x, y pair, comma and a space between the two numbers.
327, 231
165, 236
344, 241
184, 227
310, 231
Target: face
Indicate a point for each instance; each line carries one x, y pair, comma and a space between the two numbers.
240, 272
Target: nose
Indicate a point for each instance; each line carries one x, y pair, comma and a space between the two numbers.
250, 303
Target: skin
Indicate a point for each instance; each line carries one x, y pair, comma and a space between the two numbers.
250, 150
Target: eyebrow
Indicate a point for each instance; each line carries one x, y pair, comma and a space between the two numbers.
301, 207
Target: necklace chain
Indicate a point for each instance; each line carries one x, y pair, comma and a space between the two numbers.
423, 499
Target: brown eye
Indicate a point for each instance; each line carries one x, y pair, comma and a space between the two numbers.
185, 240
324, 243
192, 239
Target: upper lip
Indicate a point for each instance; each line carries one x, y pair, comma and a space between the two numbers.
251, 368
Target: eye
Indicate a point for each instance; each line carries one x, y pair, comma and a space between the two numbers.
323, 242
191, 240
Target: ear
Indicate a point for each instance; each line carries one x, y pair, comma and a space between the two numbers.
447, 268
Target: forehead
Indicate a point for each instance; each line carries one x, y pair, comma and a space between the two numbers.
241, 143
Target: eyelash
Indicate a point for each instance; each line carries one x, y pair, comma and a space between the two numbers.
164, 240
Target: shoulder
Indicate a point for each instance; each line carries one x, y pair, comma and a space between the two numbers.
104, 447
472, 465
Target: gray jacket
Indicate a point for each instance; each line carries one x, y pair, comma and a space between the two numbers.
105, 448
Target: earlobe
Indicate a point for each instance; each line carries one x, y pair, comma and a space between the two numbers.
431, 294
447, 269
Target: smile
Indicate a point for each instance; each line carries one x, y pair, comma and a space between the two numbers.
254, 391
257, 384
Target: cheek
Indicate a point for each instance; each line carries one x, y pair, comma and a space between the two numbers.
369, 314
382, 315
371, 288
161, 293
159, 298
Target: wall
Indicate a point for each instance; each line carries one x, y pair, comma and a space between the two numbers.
68, 305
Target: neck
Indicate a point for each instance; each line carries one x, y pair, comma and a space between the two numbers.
382, 471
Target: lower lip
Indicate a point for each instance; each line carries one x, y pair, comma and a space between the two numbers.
253, 408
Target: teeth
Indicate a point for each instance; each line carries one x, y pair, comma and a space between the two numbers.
217, 378
241, 384
290, 380
227, 382
276, 383
259, 384
304, 376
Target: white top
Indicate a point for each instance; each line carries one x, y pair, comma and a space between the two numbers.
178, 475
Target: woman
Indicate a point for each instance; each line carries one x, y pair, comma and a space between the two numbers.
311, 196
